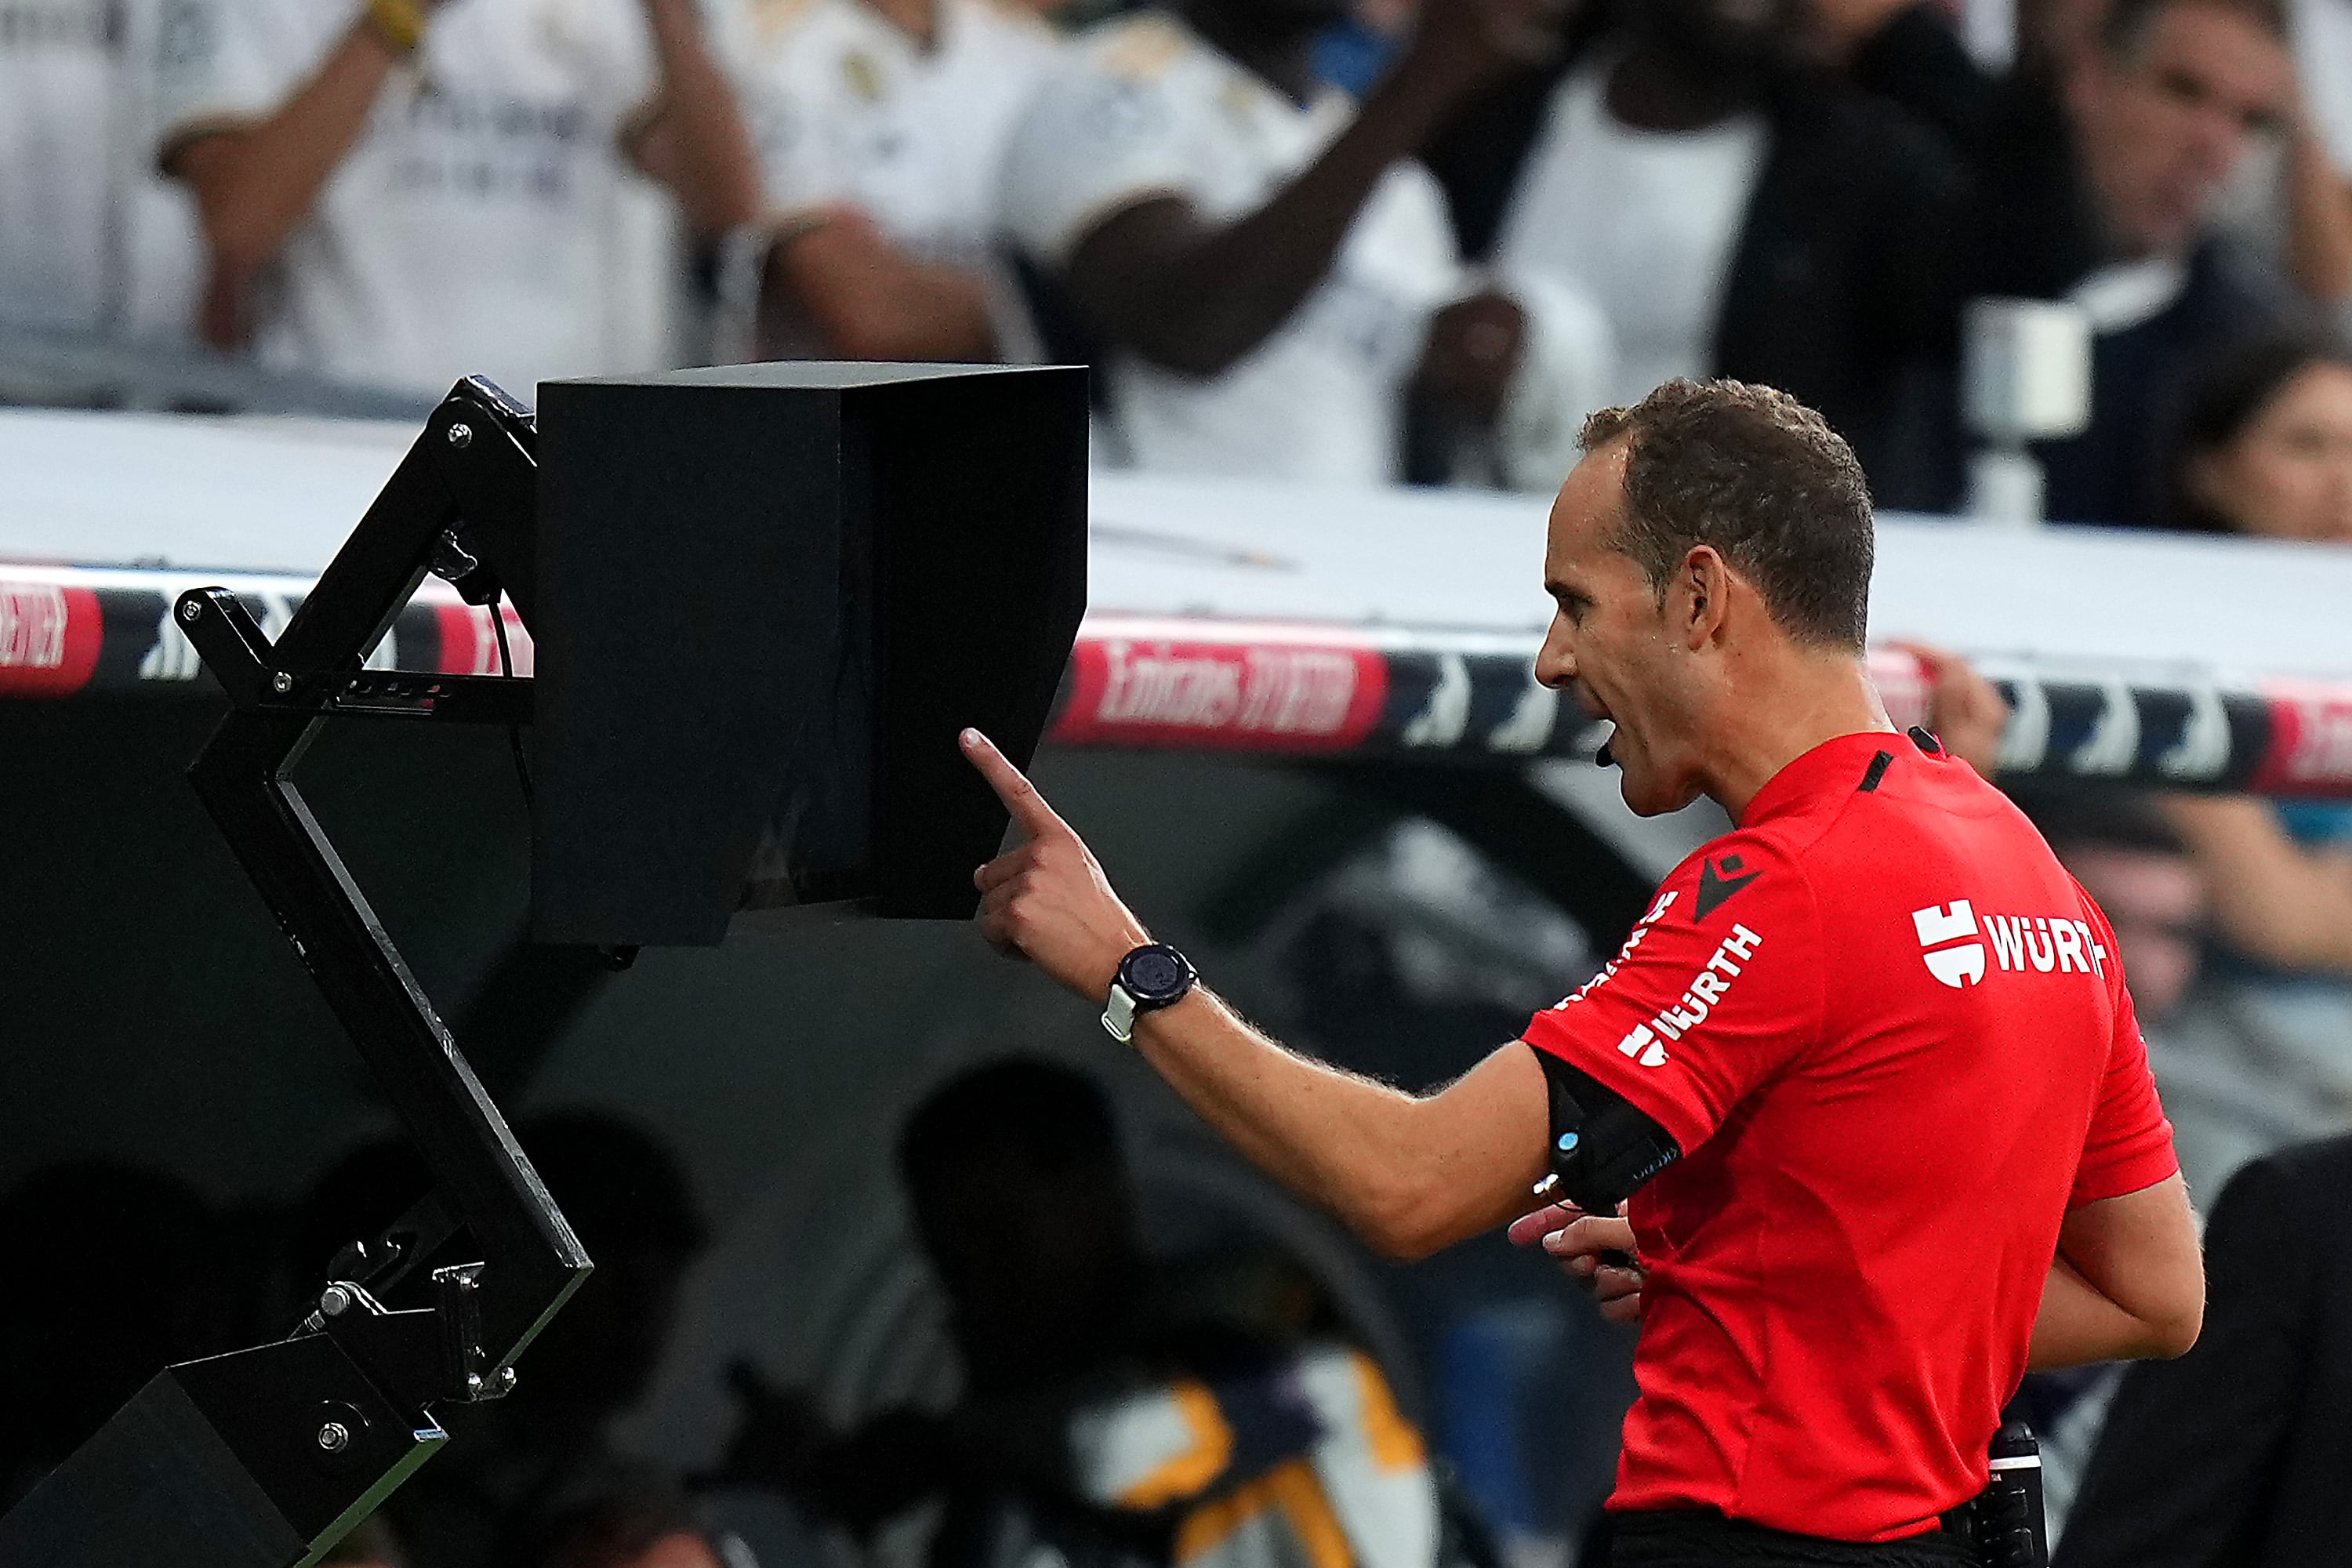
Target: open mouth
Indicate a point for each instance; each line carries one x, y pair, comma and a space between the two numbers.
1598, 711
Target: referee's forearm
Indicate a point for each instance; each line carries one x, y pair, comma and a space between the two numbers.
2078, 1325
1408, 1174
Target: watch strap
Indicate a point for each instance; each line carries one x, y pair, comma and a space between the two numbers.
1119, 1015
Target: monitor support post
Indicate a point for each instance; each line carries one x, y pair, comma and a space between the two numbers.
264, 1458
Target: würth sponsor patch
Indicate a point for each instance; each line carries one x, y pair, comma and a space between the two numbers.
1953, 940
1705, 991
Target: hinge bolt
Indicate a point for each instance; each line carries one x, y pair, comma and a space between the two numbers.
334, 1437
461, 435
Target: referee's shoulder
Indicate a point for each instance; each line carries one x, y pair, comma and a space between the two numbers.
1738, 873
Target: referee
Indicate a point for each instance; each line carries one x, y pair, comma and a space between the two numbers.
1867, 1068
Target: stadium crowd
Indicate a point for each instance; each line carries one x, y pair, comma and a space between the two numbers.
1297, 240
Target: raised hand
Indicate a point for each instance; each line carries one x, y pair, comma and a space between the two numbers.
1473, 351
1467, 42
1046, 898
1597, 1251
1967, 712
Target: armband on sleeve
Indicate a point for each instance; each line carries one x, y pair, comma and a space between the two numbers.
1602, 1149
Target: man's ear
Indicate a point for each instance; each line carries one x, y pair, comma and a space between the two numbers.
1701, 596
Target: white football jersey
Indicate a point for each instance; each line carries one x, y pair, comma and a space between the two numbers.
1143, 108
1676, 205
485, 222
847, 108
92, 238
59, 114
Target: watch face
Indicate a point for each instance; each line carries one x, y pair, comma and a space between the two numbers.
1150, 973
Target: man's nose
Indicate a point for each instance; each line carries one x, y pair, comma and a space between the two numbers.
2223, 140
1555, 665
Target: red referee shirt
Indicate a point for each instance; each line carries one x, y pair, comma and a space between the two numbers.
1891, 1035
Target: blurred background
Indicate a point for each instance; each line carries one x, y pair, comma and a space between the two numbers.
898, 1263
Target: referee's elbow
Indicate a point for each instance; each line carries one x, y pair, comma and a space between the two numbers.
1401, 1221
2175, 1334
2170, 1319
1400, 1241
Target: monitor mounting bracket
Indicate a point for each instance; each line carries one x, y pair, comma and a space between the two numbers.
264, 1458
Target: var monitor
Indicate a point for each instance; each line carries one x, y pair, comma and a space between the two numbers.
768, 598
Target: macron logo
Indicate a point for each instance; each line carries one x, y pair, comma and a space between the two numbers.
1643, 1045
1955, 966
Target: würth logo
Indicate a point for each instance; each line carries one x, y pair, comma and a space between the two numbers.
2019, 943
1955, 966
1706, 989
1643, 1045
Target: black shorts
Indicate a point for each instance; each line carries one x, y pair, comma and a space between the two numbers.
1698, 1540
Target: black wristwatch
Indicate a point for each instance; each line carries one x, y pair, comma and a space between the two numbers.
1154, 975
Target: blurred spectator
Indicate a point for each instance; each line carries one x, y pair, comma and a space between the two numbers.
612, 1515
1093, 1428
106, 1265
91, 239
2264, 444
2291, 195
398, 193
2231, 1082
2266, 449
1735, 212
59, 68
2291, 204
2323, 39
881, 125
2322, 51
1353, 52
2237, 1452
1265, 270
2098, 183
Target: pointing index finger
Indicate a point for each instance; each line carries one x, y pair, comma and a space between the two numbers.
1020, 796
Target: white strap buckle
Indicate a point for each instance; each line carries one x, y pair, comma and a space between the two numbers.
1119, 1015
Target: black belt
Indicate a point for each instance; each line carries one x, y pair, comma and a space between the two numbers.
1698, 1539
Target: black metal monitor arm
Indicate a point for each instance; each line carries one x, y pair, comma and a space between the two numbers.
264, 1458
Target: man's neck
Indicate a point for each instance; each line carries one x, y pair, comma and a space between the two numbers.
1268, 46
1806, 698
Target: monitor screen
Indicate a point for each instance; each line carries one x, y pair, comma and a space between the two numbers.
769, 598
